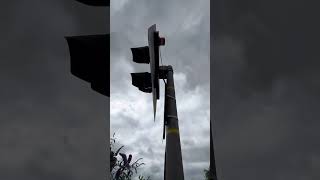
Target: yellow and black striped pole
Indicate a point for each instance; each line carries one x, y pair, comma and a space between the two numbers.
173, 158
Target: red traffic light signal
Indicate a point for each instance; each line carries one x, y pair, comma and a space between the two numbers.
161, 41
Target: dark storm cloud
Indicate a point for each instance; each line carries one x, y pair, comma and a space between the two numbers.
52, 124
265, 89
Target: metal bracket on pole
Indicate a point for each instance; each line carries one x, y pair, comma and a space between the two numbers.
171, 97
163, 71
174, 117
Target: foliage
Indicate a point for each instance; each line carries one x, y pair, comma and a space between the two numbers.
142, 178
208, 175
125, 168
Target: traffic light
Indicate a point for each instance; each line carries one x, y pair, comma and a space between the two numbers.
141, 55
149, 82
90, 56
89, 60
142, 81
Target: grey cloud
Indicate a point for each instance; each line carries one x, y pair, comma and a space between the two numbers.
265, 95
192, 56
52, 124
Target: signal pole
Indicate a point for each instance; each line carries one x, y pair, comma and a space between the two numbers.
173, 158
149, 83
212, 168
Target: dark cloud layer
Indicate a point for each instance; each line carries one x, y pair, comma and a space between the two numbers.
265, 86
52, 124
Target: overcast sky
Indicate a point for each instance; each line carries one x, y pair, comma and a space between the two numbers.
185, 25
53, 126
265, 89
264, 81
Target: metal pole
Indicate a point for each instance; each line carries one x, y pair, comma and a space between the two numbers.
212, 169
173, 157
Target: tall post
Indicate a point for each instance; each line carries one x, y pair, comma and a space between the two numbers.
173, 157
212, 169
